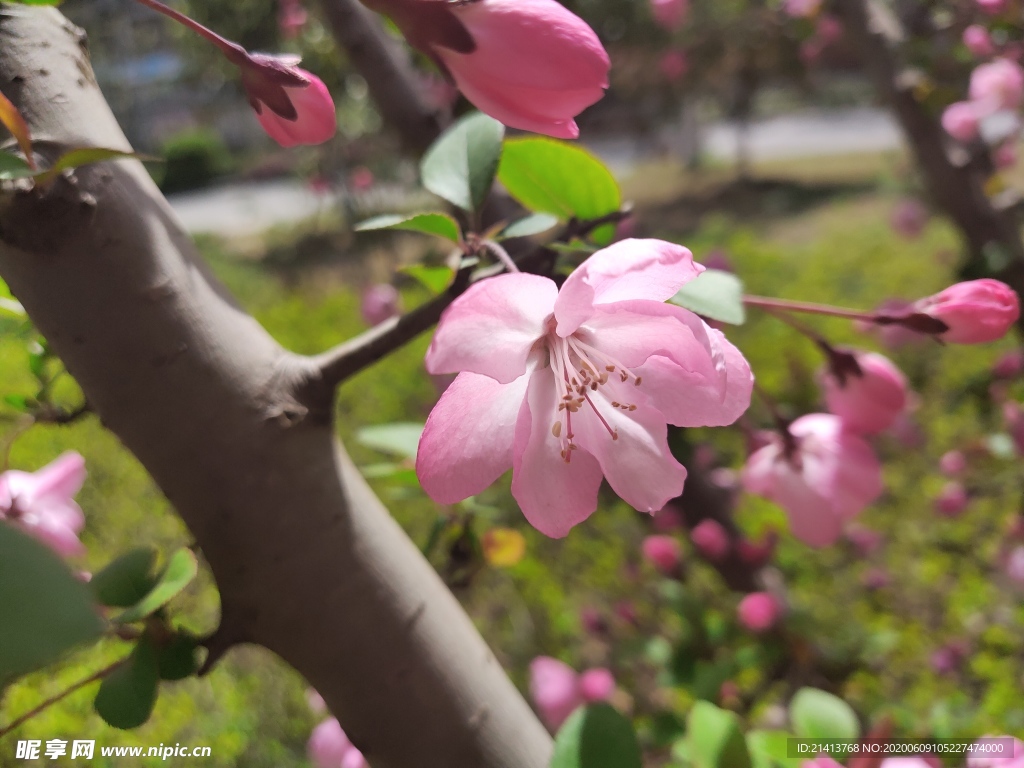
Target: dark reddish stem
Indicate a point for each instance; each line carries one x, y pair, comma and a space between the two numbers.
232, 50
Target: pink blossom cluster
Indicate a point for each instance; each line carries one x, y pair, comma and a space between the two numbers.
557, 689
42, 503
996, 86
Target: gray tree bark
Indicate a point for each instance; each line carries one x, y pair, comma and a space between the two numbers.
237, 432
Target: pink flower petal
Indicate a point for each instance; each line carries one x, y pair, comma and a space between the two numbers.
491, 328
811, 517
554, 495
638, 464
554, 688
629, 269
467, 441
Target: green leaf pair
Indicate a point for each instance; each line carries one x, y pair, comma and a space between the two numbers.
129, 582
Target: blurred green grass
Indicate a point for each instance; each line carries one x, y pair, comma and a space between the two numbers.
944, 584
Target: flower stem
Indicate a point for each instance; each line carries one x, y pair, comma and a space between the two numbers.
807, 307
60, 696
500, 254
231, 50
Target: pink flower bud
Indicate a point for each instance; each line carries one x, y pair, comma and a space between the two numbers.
1005, 155
1010, 365
801, 9
759, 611
960, 120
997, 85
293, 106
949, 657
865, 540
531, 64
908, 218
953, 463
664, 553
952, 500
380, 302
829, 29
1013, 421
668, 519
991, 7
976, 311
1013, 566
597, 684
593, 621
978, 41
291, 17
673, 65
555, 690
361, 179
42, 503
868, 401
710, 539
670, 13
328, 744
757, 554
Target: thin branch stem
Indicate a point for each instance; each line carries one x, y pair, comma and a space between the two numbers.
807, 307
500, 254
61, 696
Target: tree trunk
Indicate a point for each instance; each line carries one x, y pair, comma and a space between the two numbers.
237, 433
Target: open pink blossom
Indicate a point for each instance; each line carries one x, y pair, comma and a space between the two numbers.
976, 311
953, 463
960, 120
997, 85
978, 40
670, 13
293, 106
821, 474
557, 690
329, 747
864, 389
42, 503
759, 611
664, 553
566, 386
531, 64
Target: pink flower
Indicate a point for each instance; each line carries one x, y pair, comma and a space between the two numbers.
953, 463
909, 218
1013, 566
759, 611
670, 13
801, 9
664, 553
1011, 756
866, 390
291, 17
42, 503
997, 85
568, 385
757, 554
975, 311
952, 500
1005, 155
293, 106
329, 747
821, 761
829, 29
1010, 365
380, 302
978, 41
991, 7
531, 64
710, 539
960, 120
821, 475
673, 65
557, 690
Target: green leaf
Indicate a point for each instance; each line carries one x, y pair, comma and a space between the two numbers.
401, 438
44, 609
36, 2
440, 224
176, 658
13, 167
715, 739
127, 695
401, 474
461, 164
76, 158
531, 225
435, 279
770, 749
817, 714
549, 176
127, 579
180, 570
715, 294
596, 736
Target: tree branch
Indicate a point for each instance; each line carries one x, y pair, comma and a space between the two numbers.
307, 560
